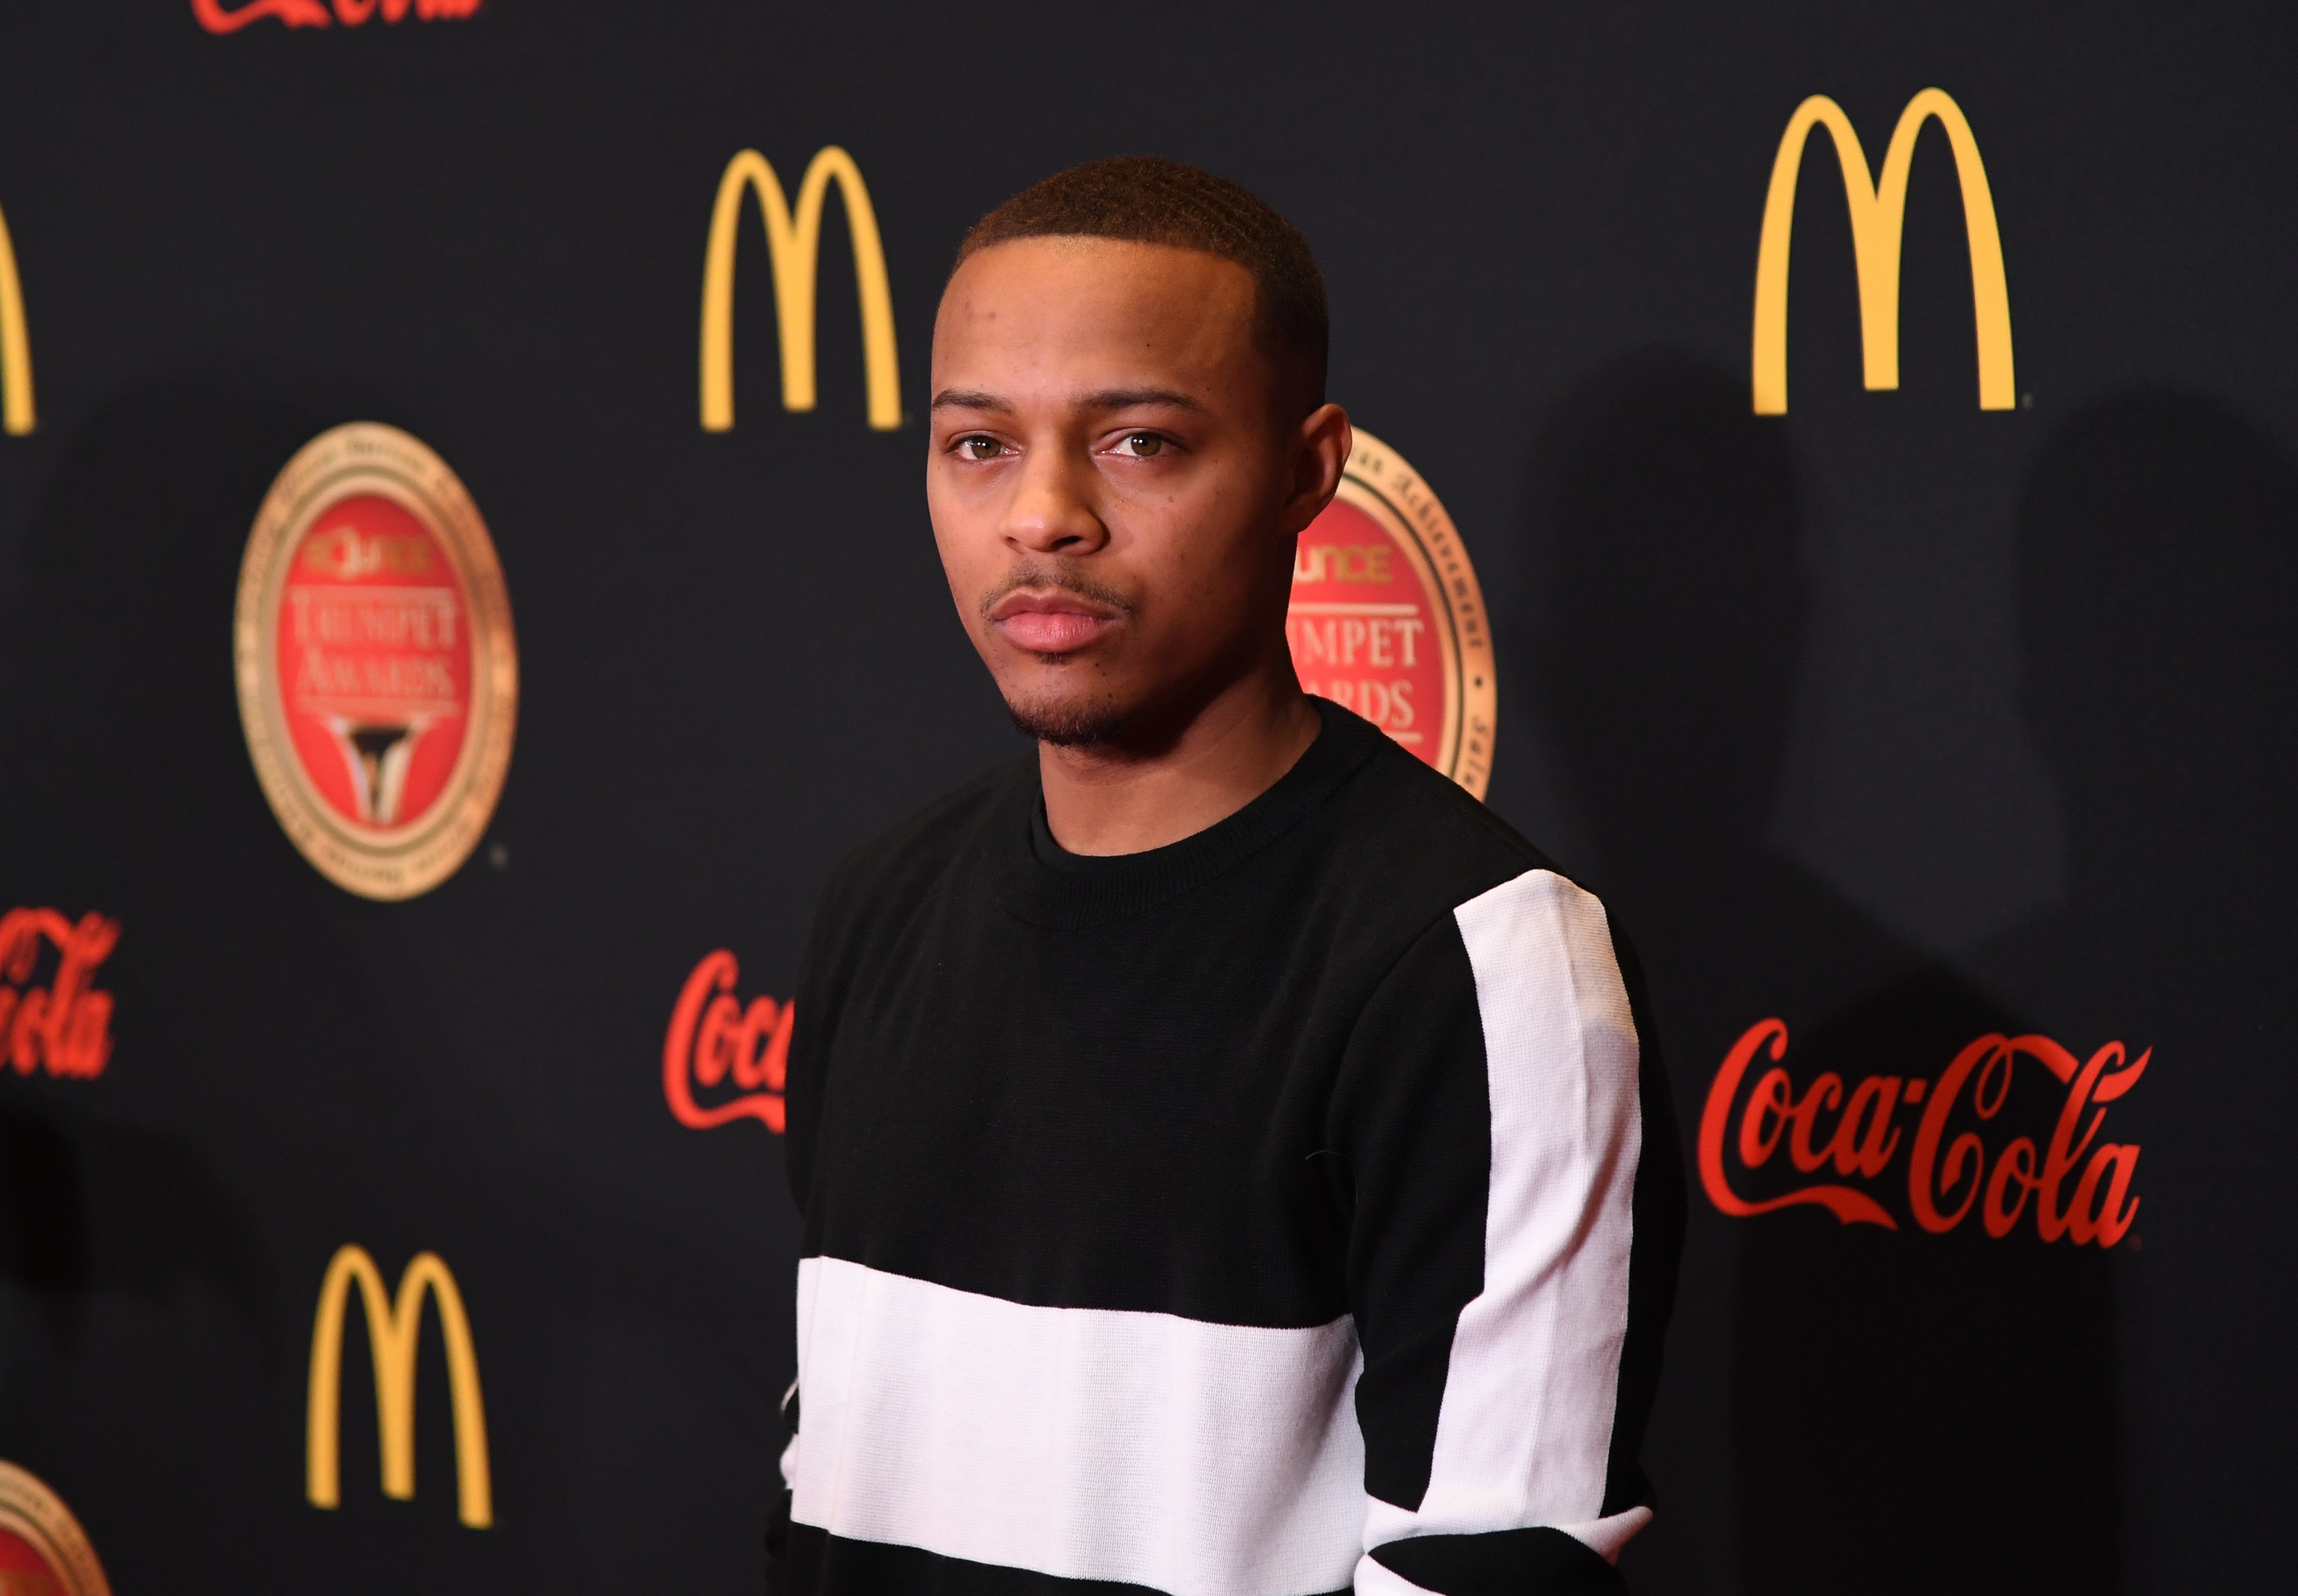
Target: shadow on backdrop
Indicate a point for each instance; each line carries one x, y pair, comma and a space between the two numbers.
2159, 609
1843, 1408
117, 659
274, 1090
88, 1206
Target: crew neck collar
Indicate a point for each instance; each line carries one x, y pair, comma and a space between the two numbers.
1072, 891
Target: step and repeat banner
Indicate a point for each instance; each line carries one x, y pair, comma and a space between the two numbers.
1829, 477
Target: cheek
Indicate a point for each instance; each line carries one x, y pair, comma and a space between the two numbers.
1228, 547
1199, 524
965, 577
1207, 592
964, 530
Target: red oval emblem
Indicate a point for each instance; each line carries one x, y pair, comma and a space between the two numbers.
378, 678
44, 1551
1387, 618
375, 656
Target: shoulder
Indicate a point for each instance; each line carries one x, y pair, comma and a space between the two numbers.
1404, 836
900, 865
1411, 867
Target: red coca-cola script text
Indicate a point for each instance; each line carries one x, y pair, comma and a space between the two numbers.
2077, 1185
217, 17
715, 1039
65, 1026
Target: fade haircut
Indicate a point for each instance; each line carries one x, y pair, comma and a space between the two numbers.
1145, 199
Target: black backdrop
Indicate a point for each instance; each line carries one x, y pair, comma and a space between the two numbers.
1898, 720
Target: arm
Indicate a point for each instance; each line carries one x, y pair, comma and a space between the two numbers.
816, 1001
1510, 1258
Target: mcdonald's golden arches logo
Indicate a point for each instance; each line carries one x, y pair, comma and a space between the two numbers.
1879, 214
16, 416
794, 245
393, 1333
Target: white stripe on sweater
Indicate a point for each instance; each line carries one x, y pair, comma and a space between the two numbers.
1205, 1459
1525, 1433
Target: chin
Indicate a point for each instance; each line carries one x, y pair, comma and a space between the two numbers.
1066, 721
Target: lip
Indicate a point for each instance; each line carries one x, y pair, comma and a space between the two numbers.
1050, 621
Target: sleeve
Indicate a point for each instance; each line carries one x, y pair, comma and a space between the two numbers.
1511, 1262
816, 1002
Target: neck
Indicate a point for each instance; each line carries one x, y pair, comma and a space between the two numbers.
1122, 797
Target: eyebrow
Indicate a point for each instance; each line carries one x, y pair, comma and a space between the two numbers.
1108, 399
961, 399
1125, 398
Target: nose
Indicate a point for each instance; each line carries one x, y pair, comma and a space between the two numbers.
1052, 511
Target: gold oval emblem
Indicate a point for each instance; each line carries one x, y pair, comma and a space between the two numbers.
43, 1550
1387, 618
379, 677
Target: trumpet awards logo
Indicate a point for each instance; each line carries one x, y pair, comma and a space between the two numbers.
2076, 1187
64, 1027
1387, 618
717, 1041
216, 17
43, 1550
378, 680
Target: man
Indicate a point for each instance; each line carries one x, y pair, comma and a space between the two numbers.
1226, 1164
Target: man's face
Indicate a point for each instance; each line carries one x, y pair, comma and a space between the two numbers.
1112, 480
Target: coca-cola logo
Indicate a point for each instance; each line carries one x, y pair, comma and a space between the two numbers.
2076, 1187
716, 1042
217, 17
64, 1027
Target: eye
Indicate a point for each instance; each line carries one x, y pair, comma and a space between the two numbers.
978, 447
1141, 445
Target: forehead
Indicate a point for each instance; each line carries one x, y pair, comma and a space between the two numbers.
1093, 309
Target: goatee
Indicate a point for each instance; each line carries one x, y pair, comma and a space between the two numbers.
1067, 725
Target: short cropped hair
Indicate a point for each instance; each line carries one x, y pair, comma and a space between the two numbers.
1145, 199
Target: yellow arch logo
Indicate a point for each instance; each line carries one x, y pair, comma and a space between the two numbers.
794, 243
1879, 215
16, 415
391, 1332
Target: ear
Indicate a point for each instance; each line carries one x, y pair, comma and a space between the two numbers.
1320, 448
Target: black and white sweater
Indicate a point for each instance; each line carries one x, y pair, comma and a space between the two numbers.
1280, 1212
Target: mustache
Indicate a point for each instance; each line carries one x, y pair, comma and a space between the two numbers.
1031, 573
